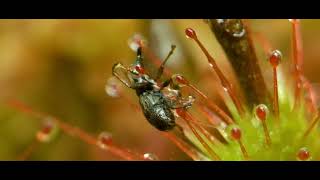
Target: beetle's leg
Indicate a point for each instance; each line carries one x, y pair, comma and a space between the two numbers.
173, 95
166, 83
160, 71
118, 66
180, 102
174, 84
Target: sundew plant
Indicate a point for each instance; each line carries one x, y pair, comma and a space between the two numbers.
240, 99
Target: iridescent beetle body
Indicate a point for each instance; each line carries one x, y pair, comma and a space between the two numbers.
156, 109
155, 105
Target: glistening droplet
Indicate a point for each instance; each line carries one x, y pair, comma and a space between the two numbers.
46, 133
275, 58
261, 112
190, 33
234, 132
135, 41
303, 154
111, 87
150, 157
104, 140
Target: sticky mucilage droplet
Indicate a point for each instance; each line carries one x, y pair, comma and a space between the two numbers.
104, 140
261, 112
275, 58
135, 41
303, 154
150, 157
47, 132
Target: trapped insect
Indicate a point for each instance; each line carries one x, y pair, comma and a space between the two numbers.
156, 105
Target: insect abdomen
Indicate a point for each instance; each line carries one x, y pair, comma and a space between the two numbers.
157, 110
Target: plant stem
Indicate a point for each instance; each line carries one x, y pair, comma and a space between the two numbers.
234, 37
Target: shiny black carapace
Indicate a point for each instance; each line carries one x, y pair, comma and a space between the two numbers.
156, 105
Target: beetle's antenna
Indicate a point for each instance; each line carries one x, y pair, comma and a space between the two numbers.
139, 56
139, 52
173, 47
161, 68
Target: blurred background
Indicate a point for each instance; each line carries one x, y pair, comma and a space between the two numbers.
61, 67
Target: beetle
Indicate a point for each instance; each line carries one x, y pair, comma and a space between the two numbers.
155, 104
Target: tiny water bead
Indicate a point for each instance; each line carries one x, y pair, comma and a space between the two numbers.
135, 41
150, 157
261, 112
275, 58
190, 33
45, 134
236, 133
303, 154
104, 140
111, 87
293, 20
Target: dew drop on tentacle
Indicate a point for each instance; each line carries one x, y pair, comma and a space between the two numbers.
275, 58
261, 112
104, 140
45, 134
150, 157
136, 41
303, 154
190, 33
235, 133
222, 127
111, 87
